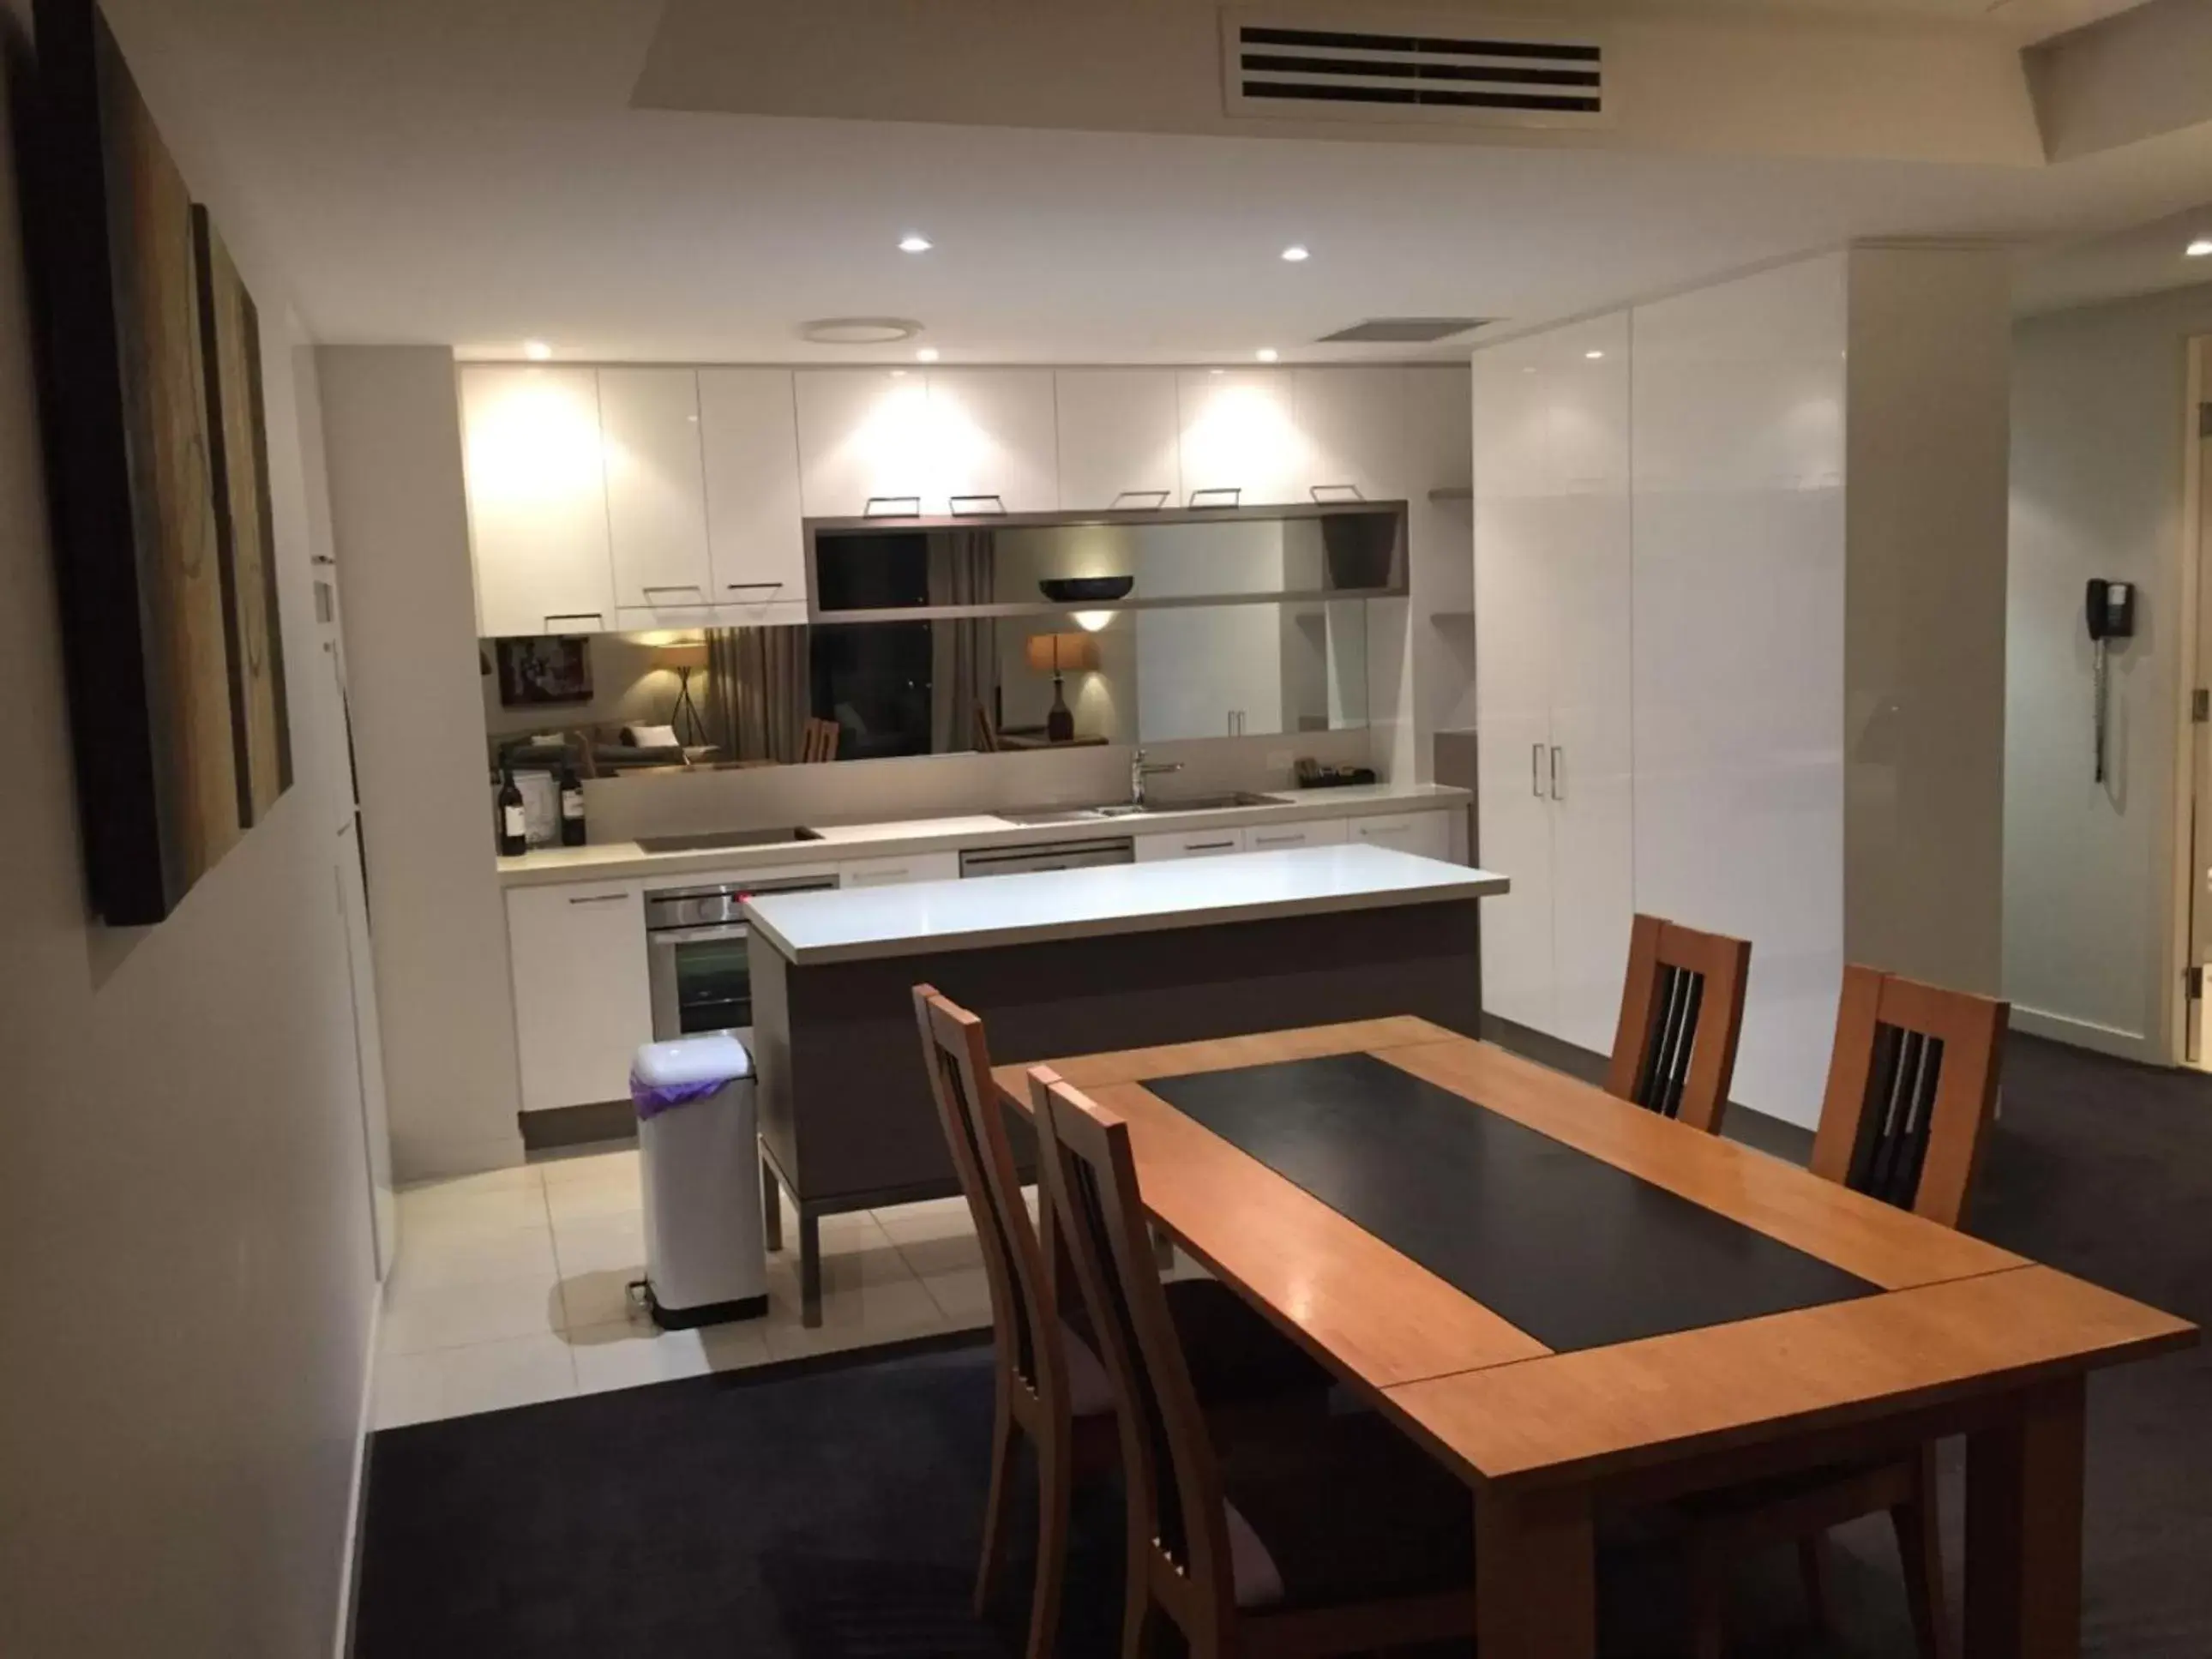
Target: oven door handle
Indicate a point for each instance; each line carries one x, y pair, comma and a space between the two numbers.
667, 939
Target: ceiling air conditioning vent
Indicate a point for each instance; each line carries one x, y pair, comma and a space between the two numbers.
1501, 74
1402, 331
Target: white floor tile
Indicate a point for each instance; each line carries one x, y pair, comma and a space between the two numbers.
578, 1201
418, 1318
587, 1163
431, 1257
600, 1299
853, 1314
952, 1253
624, 1356
963, 1297
485, 1376
514, 1177
445, 1208
600, 1243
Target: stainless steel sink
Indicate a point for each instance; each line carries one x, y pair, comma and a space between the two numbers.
1130, 809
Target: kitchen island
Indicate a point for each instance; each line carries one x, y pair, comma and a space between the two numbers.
1067, 962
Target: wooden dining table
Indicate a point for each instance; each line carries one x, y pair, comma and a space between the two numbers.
1578, 1305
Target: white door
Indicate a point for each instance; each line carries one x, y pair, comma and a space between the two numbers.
582, 1001
755, 541
864, 443
1119, 440
368, 1048
1240, 445
996, 440
1512, 668
1590, 781
656, 495
1353, 421
537, 498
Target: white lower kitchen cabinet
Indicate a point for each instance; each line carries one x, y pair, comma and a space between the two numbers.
1428, 835
581, 1002
1188, 844
1314, 832
897, 872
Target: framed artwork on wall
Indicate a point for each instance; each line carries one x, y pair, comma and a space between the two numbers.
157, 460
554, 669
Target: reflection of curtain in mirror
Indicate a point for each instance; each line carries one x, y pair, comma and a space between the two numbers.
963, 667
758, 698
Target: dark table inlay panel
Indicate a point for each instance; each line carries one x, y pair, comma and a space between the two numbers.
1576, 1253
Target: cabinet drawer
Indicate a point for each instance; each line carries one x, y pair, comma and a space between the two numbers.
896, 872
1320, 832
1189, 844
1428, 833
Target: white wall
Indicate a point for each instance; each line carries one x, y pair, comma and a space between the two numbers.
186, 1310
2100, 440
399, 522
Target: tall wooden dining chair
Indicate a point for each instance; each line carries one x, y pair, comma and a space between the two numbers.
819, 740
1681, 1014
1328, 1536
1912, 1085
1052, 1387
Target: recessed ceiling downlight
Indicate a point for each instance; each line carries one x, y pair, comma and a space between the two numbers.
2199, 248
914, 242
537, 350
859, 331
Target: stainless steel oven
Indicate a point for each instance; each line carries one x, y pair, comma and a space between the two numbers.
694, 943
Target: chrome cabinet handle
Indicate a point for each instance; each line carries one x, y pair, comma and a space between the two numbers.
600, 898
748, 587
1159, 499
552, 617
1559, 773
997, 507
674, 587
1536, 771
912, 509
1234, 493
1206, 846
1276, 841
1345, 492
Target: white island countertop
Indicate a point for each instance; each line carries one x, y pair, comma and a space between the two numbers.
858, 924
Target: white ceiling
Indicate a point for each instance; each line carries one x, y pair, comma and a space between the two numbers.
469, 172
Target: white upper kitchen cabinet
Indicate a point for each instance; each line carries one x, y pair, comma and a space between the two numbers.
1240, 445
1119, 440
582, 997
866, 447
656, 495
537, 498
756, 546
996, 440
1354, 423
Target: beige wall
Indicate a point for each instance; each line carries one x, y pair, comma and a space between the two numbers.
399, 524
187, 1307
2099, 441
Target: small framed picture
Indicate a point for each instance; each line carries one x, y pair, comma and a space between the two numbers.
547, 670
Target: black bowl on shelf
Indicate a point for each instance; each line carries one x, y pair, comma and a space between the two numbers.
1086, 590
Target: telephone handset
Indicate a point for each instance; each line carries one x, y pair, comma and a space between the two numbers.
2109, 608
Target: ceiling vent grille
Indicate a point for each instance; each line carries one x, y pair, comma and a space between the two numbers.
1501, 74
1403, 330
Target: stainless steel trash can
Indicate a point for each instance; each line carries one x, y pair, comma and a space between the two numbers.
699, 1163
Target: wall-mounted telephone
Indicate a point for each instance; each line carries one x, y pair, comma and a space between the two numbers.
2110, 612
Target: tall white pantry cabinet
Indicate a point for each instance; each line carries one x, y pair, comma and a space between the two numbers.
1739, 569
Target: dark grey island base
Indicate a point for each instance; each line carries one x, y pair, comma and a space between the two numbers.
846, 1122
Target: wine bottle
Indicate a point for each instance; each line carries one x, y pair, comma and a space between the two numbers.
572, 807
514, 834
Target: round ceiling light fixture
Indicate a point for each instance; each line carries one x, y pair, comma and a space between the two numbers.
928, 355
1267, 353
2199, 248
537, 350
914, 242
859, 331
1296, 253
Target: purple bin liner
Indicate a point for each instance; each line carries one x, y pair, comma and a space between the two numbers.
652, 1099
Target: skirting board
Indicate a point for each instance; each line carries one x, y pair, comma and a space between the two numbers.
358, 1491
2088, 1033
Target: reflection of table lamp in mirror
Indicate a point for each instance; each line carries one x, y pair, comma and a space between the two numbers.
683, 659
1054, 653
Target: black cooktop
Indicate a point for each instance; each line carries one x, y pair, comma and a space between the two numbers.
725, 839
